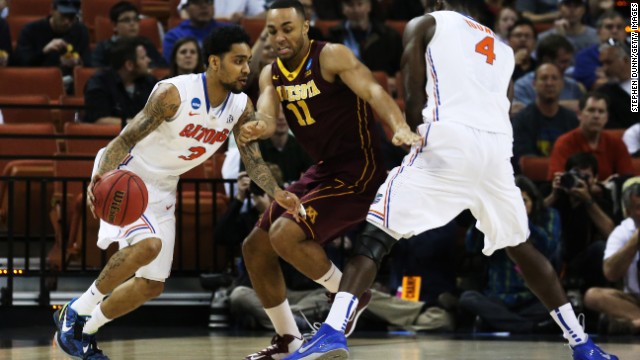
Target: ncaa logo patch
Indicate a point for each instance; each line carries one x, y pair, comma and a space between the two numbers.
377, 198
196, 103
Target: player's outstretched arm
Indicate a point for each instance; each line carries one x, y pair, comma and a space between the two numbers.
338, 60
162, 105
264, 124
258, 169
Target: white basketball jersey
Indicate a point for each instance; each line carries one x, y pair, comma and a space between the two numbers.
192, 136
468, 73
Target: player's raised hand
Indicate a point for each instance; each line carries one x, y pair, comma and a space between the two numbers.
404, 136
291, 203
252, 131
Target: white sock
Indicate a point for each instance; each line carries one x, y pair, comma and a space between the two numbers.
96, 321
571, 328
282, 319
331, 280
343, 306
88, 301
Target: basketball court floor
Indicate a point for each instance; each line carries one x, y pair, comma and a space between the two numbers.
179, 343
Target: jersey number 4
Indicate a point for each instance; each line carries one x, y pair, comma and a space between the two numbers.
485, 47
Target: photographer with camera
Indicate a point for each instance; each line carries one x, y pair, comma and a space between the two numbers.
621, 262
586, 212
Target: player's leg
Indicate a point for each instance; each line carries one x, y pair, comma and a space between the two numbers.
266, 276
502, 218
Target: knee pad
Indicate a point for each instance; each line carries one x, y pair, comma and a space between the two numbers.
374, 243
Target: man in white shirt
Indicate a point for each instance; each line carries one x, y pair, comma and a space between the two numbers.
234, 10
621, 262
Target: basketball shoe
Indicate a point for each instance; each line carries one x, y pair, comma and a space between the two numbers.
327, 343
363, 302
590, 351
278, 349
69, 333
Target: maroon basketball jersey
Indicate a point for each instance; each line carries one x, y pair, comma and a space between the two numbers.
333, 125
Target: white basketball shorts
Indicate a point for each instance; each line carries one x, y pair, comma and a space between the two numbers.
455, 168
158, 221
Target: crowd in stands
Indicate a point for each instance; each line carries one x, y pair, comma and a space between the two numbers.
570, 112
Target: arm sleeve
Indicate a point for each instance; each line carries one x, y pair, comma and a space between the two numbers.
523, 91
558, 158
5, 37
26, 52
623, 164
98, 101
167, 45
631, 138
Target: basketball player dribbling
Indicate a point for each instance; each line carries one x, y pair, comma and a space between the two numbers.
186, 119
462, 163
327, 95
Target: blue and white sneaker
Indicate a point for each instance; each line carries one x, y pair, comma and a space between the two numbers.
590, 351
327, 343
90, 348
69, 334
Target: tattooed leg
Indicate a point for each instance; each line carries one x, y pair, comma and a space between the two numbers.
126, 297
126, 262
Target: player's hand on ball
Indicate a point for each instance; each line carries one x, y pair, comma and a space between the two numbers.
252, 131
91, 199
404, 136
290, 202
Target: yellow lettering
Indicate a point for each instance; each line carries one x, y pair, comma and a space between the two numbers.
303, 91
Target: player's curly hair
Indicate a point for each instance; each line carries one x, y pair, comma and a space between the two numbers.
220, 40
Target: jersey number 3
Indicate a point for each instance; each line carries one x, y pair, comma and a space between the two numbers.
196, 152
485, 47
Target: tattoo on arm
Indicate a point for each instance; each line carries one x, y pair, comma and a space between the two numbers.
162, 106
252, 157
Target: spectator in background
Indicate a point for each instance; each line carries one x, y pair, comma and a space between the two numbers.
375, 44
507, 304
631, 139
621, 263
186, 58
557, 50
536, 127
570, 25
310, 14
522, 39
198, 25
586, 213
586, 70
116, 94
263, 54
616, 64
236, 10
232, 11
598, 7
538, 11
125, 18
407, 9
5, 43
507, 17
57, 40
4, 9
588, 137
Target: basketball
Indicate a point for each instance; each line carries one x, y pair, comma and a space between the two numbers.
120, 197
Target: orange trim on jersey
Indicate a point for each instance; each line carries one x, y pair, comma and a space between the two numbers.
304, 221
294, 74
377, 212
